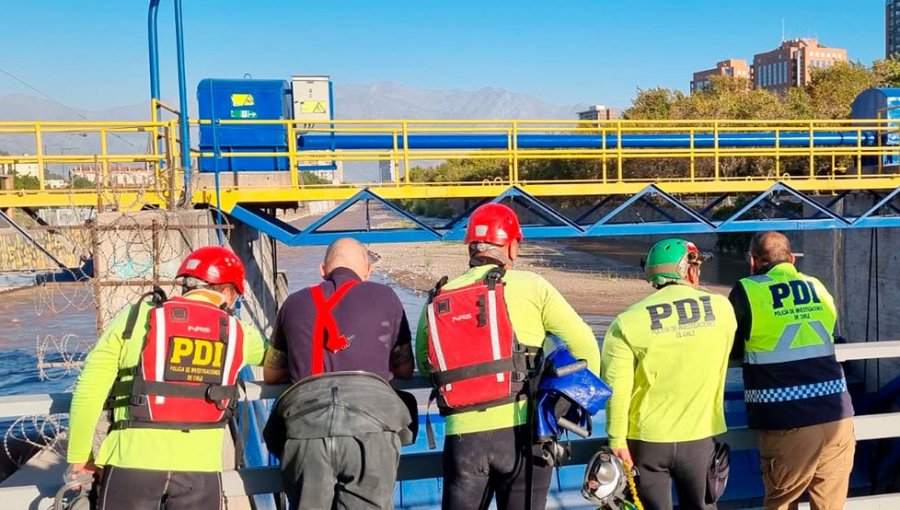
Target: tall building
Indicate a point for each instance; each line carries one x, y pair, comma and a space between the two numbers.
386, 170
891, 28
732, 67
789, 65
599, 112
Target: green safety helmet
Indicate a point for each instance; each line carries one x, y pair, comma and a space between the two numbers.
668, 261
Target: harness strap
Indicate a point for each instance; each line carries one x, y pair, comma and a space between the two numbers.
159, 297
141, 424
326, 334
471, 371
211, 392
429, 430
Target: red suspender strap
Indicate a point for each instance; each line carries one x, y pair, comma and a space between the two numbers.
326, 334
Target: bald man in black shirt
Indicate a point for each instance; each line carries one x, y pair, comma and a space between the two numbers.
345, 323
338, 435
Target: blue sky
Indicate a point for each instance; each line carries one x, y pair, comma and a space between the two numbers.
93, 54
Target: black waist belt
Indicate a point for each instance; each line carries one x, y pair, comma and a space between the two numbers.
472, 371
209, 392
170, 425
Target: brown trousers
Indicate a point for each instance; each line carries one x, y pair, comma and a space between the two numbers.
817, 458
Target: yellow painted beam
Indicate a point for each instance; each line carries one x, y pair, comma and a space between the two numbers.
392, 191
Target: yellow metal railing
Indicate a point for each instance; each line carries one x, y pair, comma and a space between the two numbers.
617, 166
114, 156
405, 158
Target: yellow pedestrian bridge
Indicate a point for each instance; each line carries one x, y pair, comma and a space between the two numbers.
681, 171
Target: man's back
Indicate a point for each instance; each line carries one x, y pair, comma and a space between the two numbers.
143, 448
370, 317
791, 377
674, 346
535, 309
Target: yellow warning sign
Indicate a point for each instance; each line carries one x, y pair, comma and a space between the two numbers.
313, 107
242, 100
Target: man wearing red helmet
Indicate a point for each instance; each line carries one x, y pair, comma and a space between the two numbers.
167, 369
477, 339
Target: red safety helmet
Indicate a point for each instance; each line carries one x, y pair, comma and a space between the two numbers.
214, 265
495, 224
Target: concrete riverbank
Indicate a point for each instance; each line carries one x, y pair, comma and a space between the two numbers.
593, 284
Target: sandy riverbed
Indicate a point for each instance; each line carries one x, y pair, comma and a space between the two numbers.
583, 278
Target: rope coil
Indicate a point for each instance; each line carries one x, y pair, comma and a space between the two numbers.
632, 486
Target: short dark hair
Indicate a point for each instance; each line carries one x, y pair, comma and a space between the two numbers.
771, 248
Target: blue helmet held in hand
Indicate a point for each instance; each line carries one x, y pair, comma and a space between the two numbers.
568, 396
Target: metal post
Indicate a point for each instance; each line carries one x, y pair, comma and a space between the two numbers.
509, 156
395, 161
619, 150
693, 157
183, 105
777, 152
104, 155
812, 157
172, 148
405, 127
878, 135
153, 42
859, 153
39, 148
292, 154
515, 151
716, 149
603, 141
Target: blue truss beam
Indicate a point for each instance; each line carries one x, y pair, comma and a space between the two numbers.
651, 189
823, 218
875, 208
831, 203
712, 205
594, 208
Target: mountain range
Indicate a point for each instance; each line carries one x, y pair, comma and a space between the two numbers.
385, 100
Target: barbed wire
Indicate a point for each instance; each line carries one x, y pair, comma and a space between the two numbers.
60, 357
116, 252
39, 432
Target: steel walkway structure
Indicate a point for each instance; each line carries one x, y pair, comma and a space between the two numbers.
813, 165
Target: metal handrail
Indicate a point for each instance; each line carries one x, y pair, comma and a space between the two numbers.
413, 466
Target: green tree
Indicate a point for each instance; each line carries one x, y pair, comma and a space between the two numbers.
886, 73
25, 181
307, 177
79, 182
653, 104
832, 90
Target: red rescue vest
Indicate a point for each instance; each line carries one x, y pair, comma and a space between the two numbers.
472, 349
326, 334
187, 376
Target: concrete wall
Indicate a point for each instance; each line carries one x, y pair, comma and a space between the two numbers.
846, 263
126, 260
261, 298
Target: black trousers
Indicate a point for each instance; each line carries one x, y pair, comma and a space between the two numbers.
660, 464
480, 465
341, 473
142, 489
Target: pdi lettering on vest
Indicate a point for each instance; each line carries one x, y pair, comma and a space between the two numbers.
202, 352
801, 292
687, 310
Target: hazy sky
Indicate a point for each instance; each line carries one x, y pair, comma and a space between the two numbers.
93, 53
